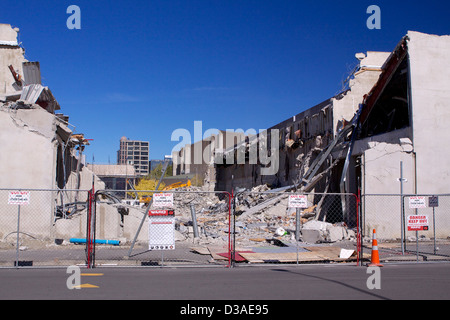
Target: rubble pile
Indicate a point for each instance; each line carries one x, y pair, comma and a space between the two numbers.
263, 219
263, 229
211, 212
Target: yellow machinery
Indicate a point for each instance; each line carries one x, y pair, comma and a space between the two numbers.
146, 199
177, 185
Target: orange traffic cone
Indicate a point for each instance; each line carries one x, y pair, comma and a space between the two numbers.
375, 259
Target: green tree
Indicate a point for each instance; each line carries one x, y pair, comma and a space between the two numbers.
169, 171
157, 172
149, 184
144, 185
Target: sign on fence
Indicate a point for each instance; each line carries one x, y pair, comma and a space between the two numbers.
19, 197
433, 202
163, 200
417, 223
161, 230
417, 202
298, 201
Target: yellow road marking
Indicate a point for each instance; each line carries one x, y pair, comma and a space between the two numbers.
86, 285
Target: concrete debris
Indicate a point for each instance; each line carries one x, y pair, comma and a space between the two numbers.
263, 220
264, 226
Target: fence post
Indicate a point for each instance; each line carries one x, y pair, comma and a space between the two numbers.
90, 230
231, 230
297, 228
17, 240
230, 213
194, 221
359, 244
434, 232
402, 208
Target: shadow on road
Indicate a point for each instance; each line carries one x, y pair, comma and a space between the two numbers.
334, 281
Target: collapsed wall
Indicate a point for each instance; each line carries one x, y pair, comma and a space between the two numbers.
404, 119
27, 161
302, 138
38, 146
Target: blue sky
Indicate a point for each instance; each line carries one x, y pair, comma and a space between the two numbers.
142, 69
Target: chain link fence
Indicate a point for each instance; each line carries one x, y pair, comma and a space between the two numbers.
408, 227
284, 227
175, 228
36, 225
41, 228
169, 228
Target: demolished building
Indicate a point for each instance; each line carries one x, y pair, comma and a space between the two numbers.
306, 135
394, 110
403, 121
49, 149
40, 149
393, 114
199, 158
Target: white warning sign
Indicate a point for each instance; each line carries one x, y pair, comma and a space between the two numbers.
298, 201
161, 232
163, 200
417, 202
19, 197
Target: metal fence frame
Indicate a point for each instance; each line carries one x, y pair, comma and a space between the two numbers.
55, 203
392, 206
223, 193
399, 243
429, 203
344, 198
85, 252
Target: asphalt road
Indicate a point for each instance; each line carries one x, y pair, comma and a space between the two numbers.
424, 281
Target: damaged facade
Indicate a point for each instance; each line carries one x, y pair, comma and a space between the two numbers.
39, 147
394, 112
404, 119
300, 139
199, 158
308, 136
49, 149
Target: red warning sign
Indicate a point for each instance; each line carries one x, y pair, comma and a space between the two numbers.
417, 223
157, 213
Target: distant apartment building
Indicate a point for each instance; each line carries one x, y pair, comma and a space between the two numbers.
135, 153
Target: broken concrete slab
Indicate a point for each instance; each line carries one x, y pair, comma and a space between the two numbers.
315, 231
283, 257
335, 233
259, 207
312, 236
